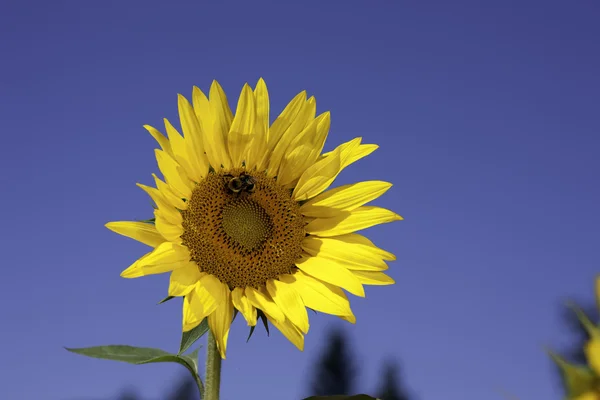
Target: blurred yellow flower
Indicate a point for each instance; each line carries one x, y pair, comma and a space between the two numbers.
244, 220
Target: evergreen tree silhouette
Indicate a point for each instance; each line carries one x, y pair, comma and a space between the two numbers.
390, 387
128, 394
334, 372
185, 390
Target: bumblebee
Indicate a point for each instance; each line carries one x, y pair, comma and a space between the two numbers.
240, 184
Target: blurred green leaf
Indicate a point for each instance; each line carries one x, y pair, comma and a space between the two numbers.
577, 379
190, 337
589, 326
342, 397
139, 355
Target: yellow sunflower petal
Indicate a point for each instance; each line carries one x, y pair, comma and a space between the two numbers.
213, 285
350, 255
360, 152
331, 272
166, 209
349, 318
356, 239
587, 396
597, 285
197, 305
318, 295
303, 119
193, 138
219, 99
164, 258
285, 119
317, 177
592, 352
168, 194
220, 111
140, 231
180, 150
241, 131
373, 278
174, 174
304, 150
290, 302
258, 146
355, 153
163, 142
170, 231
220, 322
213, 138
183, 280
355, 220
290, 331
190, 308
349, 152
313, 181
264, 302
344, 198
242, 304
295, 159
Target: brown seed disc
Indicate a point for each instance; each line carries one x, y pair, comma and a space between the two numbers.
243, 238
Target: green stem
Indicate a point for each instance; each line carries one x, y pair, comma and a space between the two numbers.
198, 384
213, 369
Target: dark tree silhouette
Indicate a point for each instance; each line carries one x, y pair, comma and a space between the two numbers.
390, 387
185, 390
128, 394
334, 373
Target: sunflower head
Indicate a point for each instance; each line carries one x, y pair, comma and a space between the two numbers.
244, 220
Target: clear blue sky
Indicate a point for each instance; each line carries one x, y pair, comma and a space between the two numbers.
488, 124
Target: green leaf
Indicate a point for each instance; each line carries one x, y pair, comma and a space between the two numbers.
342, 397
137, 355
577, 379
251, 332
190, 337
166, 299
265, 322
591, 329
149, 221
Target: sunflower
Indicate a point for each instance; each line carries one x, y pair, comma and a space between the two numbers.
243, 219
592, 352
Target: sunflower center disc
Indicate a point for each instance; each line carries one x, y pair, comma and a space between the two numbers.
243, 238
246, 223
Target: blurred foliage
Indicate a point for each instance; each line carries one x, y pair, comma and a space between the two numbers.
391, 387
334, 373
578, 335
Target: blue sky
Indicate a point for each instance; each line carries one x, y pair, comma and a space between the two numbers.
487, 118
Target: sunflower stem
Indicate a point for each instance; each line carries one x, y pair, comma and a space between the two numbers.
213, 369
